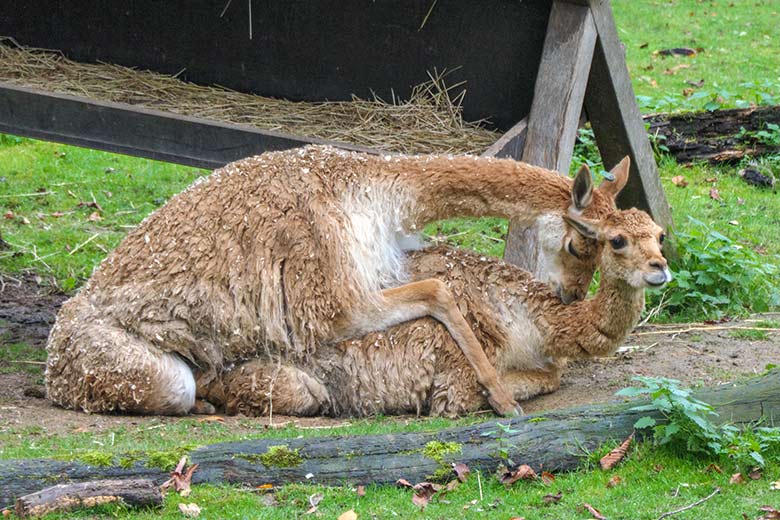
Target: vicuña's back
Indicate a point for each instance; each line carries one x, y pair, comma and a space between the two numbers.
278, 253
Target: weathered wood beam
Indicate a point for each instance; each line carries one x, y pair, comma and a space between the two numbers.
67, 497
556, 109
556, 443
510, 144
617, 123
126, 129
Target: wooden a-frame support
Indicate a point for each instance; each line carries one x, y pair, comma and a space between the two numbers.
583, 67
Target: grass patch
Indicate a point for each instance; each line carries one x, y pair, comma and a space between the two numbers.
751, 335
21, 357
767, 324
55, 197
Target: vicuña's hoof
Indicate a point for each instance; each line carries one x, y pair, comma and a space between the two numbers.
506, 408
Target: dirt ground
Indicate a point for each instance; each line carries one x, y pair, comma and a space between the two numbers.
693, 353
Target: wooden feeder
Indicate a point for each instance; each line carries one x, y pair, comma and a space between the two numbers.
532, 68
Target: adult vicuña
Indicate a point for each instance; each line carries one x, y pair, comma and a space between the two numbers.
284, 251
416, 368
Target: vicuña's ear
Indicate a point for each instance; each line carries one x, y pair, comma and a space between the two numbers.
620, 175
582, 190
585, 227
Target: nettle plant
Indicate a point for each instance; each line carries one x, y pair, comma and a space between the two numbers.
715, 275
688, 425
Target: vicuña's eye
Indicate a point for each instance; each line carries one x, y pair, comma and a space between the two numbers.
662, 238
618, 242
570, 248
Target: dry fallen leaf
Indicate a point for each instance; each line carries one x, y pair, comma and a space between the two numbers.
552, 499
756, 474
713, 467
57, 214
671, 71
180, 480
593, 511
714, 195
212, 418
423, 493
687, 91
265, 486
547, 477
658, 468
775, 485
614, 481
696, 84
611, 459
191, 510
7, 513
402, 482
737, 478
348, 515
523, 472
9, 214
679, 181
461, 470
734, 222
361, 491
771, 513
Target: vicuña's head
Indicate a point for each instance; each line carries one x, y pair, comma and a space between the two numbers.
567, 259
631, 244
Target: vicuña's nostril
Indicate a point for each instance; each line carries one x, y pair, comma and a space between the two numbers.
657, 265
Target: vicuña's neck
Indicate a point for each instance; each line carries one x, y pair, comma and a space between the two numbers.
616, 308
446, 187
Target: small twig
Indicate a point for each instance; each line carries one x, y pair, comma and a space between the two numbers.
36, 194
250, 19
479, 483
225, 8
427, 15
691, 329
670, 513
90, 239
27, 362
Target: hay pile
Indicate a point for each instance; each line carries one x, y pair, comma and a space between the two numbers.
430, 121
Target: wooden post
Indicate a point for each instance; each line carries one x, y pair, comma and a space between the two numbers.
555, 112
617, 123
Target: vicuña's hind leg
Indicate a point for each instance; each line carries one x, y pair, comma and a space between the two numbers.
525, 384
102, 368
259, 387
432, 298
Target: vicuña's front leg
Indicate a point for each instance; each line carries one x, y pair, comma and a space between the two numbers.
525, 384
432, 298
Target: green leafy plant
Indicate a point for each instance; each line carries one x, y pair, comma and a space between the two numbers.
715, 275
502, 443
687, 425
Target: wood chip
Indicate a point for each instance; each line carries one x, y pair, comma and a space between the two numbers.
611, 459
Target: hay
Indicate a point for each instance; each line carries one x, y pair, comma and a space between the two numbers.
430, 121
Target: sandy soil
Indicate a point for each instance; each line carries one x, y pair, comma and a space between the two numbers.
694, 353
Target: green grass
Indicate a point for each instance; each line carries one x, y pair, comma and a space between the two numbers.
45, 195
751, 335
739, 63
166, 434
21, 357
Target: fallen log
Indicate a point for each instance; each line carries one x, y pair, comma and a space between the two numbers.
715, 136
555, 441
67, 497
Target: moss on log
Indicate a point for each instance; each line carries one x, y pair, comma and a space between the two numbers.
556, 440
